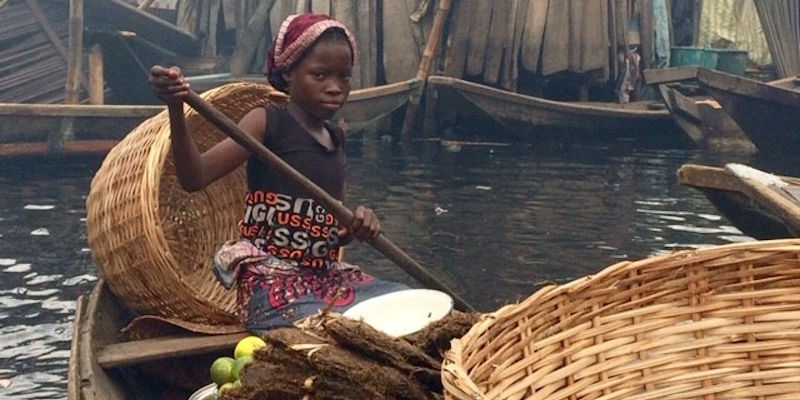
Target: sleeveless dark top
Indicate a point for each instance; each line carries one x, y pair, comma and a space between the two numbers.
280, 217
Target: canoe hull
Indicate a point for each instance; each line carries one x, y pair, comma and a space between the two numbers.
768, 114
57, 129
527, 116
754, 215
61, 128
368, 108
97, 327
365, 108
705, 122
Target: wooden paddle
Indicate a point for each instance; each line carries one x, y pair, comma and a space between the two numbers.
381, 243
425, 65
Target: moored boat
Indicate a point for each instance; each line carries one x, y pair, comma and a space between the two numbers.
55, 129
761, 205
365, 108
696, 112
703, 120
525, 117
64, 129
103, 364
769, 113
112, 358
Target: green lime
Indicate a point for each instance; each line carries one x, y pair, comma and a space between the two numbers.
221, 370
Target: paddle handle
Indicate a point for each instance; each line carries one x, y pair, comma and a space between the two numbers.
381, 243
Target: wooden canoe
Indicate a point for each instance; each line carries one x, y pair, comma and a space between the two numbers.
104, 366
65, 129
696, 112
365, 108
524, 117
704, 121
768, 113
757, 207
58, 129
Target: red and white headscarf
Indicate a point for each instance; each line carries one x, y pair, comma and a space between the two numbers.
297, 33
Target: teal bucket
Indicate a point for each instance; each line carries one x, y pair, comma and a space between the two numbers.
685, 55
731, 61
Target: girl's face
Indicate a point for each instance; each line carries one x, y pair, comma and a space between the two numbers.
320, 83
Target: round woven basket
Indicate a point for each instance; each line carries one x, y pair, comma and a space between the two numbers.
717, 323
153, 242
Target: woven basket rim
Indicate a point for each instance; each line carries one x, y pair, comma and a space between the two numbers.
473, 348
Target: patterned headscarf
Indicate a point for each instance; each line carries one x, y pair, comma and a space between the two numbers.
297, 33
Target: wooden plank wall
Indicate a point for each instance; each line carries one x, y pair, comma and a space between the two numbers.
401, 54
32, 69
492, 41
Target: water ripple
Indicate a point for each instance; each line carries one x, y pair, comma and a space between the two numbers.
518, 218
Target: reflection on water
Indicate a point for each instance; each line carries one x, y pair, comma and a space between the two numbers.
493, 222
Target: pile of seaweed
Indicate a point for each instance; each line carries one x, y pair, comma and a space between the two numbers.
332, 357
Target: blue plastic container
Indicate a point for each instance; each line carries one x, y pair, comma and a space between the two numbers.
731, 61
686, 55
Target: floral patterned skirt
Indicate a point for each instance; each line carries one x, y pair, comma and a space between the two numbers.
274, 293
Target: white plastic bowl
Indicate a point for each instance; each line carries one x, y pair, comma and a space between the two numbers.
403, 312
207, 392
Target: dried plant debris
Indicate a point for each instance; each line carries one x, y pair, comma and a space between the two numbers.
331, 357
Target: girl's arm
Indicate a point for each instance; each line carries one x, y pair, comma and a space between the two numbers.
197, 170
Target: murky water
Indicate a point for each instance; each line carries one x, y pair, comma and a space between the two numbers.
493, 222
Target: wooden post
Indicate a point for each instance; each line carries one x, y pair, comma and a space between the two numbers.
75, 52
96, 81
425, 64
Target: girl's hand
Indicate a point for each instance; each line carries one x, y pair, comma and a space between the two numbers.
365, 225
168, 84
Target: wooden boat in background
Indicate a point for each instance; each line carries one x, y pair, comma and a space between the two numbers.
105, 366
30, 129
525, 117
696, 112
365, 108
769, 113
761, 205
58, 129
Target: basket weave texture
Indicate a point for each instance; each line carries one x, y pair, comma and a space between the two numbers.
152, 241
716, 323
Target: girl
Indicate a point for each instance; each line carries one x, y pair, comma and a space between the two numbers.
286, 264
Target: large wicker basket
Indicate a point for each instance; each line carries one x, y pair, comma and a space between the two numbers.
152, 241
716, 323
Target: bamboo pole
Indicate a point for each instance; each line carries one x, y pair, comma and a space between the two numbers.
75, 52
425, 64
96, 75
381, 243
